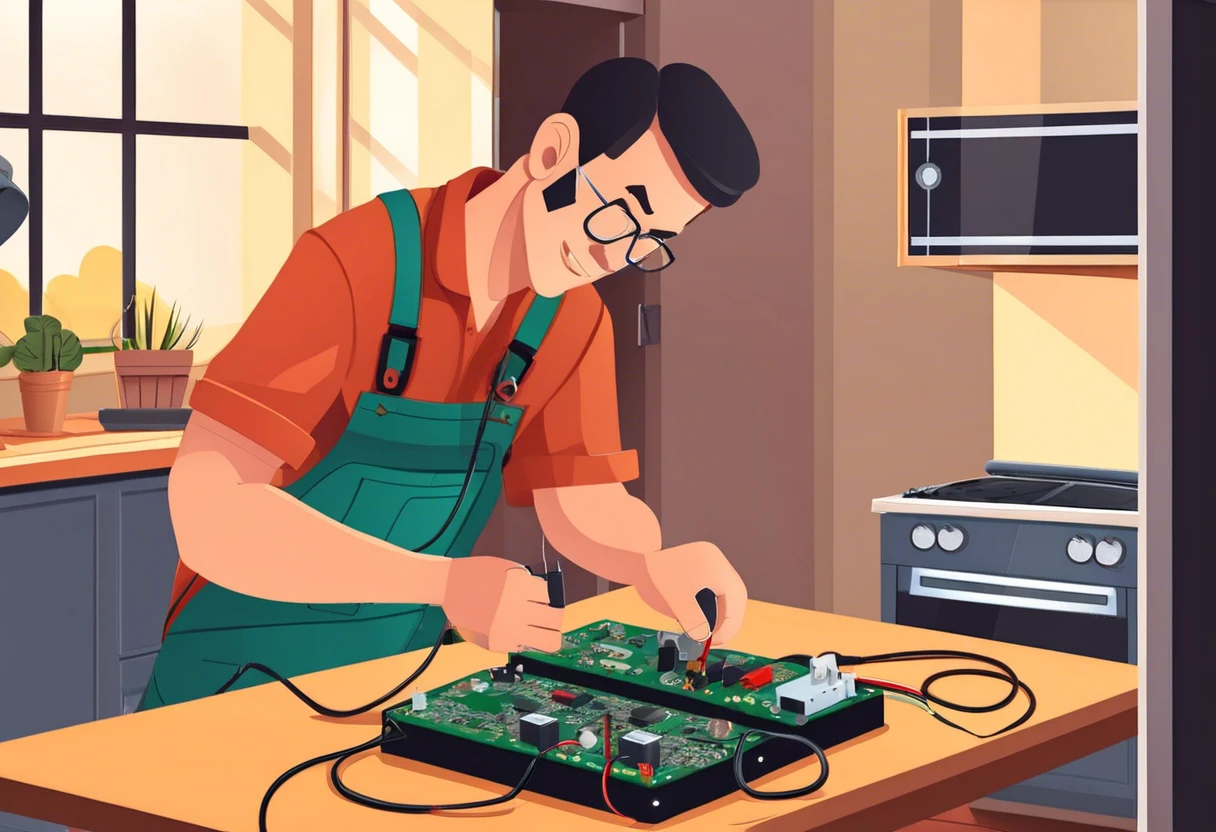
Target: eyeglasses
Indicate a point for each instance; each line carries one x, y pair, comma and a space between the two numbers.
613, 222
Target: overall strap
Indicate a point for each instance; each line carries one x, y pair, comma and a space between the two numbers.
400, 343
528, 338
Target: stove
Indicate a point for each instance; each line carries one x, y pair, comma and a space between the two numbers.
1039, 555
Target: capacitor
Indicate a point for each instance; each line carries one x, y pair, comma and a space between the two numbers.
587, 739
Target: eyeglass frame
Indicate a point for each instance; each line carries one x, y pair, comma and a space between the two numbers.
636, 234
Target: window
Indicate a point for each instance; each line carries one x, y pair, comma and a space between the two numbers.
134, 160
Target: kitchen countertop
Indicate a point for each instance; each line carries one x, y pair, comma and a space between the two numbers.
85, 450
896, 504
205, 765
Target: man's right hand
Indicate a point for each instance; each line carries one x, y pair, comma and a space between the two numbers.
499, 605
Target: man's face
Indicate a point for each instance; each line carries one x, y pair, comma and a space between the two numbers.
561, 255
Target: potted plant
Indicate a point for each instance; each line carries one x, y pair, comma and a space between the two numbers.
153, 373
46, 357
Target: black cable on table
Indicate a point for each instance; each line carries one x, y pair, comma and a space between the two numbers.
335, 777
789, 793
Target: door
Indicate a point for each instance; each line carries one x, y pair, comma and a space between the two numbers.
542, 48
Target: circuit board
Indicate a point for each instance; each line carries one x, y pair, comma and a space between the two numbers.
609, 671
491, 717
624, 659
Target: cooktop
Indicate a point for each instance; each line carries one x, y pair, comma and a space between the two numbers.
1041, 485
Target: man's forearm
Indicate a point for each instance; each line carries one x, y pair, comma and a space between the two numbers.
257, 540
602, 528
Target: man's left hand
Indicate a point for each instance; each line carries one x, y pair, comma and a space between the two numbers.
674, 577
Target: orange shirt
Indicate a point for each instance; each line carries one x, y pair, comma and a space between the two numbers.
291, 376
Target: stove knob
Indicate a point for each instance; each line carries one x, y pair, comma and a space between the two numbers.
951, 538
923, 537
1109, 551
1081, 548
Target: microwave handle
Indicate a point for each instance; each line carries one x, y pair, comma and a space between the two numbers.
987, 589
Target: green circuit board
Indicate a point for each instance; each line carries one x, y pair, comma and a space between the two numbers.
623, 652
479, 709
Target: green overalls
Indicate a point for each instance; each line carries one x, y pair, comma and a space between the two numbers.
395, 474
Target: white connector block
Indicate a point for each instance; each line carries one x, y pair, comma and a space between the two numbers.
822, 688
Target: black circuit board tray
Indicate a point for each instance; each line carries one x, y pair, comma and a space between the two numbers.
472, 725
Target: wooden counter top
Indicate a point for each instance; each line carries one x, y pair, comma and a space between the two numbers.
896, 504
206, 764
85, 450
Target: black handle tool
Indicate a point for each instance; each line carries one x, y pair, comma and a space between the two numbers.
707, 600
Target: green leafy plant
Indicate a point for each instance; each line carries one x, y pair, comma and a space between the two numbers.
145, 326
46, 347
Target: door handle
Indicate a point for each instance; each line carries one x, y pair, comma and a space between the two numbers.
1005, 591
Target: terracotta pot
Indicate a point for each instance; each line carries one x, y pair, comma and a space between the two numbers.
44, 400
152, 378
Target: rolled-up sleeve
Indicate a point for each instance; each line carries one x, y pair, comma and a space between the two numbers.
286, 365
576, 438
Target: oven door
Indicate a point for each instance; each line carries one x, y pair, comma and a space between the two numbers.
1082, 619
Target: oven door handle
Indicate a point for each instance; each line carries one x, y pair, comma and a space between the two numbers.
1005, 591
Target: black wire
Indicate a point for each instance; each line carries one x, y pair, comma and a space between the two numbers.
926, 695
334, 712
335, 777
307, 764
790, 793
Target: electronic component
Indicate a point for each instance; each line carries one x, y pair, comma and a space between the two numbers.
669, 654
687, 648
418, 701
580, 700
525, 705
640, 747
824, 687
719, 728
587, 738
758, 678
714, 672
539, 730
731, 674
563, 697
647, 715
479, 686
502, 674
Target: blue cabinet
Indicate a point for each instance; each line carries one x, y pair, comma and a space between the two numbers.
86, 571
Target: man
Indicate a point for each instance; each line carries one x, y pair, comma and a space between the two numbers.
417, 355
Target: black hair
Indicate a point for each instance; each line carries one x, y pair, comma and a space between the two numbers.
615, 102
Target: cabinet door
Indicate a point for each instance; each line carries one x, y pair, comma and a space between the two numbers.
48, 541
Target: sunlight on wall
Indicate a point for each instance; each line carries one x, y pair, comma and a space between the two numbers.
419, 62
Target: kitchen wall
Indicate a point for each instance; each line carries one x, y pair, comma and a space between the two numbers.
803, 374
1065, 348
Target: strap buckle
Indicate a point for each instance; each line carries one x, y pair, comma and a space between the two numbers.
392, 380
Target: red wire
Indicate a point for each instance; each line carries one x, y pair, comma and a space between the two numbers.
608, 770
885, 685
705, 652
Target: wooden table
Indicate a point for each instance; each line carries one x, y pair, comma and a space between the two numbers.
206, 764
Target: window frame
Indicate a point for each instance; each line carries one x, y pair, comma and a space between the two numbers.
36, 122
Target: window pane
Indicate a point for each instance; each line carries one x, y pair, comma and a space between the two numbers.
188, 225
188, 59
15, 58
82, 57
15, 254
82, 231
